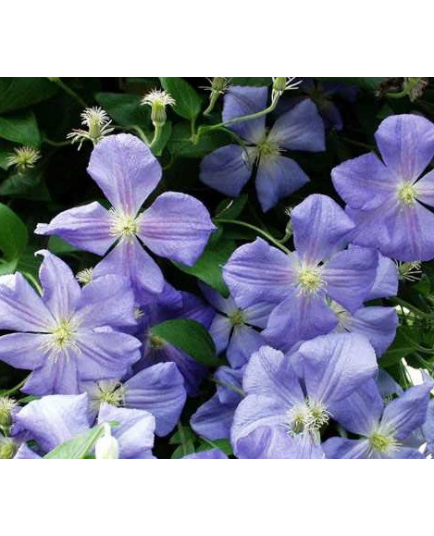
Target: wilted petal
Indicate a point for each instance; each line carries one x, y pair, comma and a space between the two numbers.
135, 433
335, 365
330, 224
349, 275
406, 143
408, 412
227, 169
87, 228
129, 259
257, 272
52, 420
160, 390
177, 226
61, 290
300, 317
278, 177
21, 309
126, 171
244, 100
364, 182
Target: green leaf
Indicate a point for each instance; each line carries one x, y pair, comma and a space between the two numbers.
188, 102
367, 84
78, 447
16, 93
253, 81
190, 337
13, 234
125, 109
223, 444
20, 128
208, 268
180, 144
230, 209
402, 346
59, 246
28, 185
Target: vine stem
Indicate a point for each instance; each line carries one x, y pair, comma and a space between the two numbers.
266, 235
16, 388
183, 439
70, 92
157, 136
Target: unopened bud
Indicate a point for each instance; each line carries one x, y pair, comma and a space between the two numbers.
8, 448
7, 405
107, 446
158, 100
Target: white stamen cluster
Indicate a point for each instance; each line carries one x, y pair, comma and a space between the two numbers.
85, 276
308, 416
309, 279
98, 126
409, 271
123, 225
382, 440
23, 158
62, 338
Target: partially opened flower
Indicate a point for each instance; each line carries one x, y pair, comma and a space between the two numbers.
283, 414
230, 167
384, 429
68, 334
386, 198
158, 389
233, 329
176, 226
300, 283
55, 419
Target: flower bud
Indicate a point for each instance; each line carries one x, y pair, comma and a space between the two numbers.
279, 84
6, 407
107, 446
8, 448
158, 100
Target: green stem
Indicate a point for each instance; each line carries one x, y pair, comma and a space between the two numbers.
141, 134
70, 92
157, 136
34, 282
410, 307
16, 388
399, 95
56, 143
266, 235
212, 102
229, 386
183, 439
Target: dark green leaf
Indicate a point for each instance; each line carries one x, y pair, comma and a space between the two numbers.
208, 267
20, 128
402, 346
190, 337
20, 92
13, 234
125, 109
188, 102
180, 144
28, 185
255, 81
78, 447
59, 246
367, 84
230, 209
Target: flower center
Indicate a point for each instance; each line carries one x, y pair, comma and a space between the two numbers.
111, 392
156, 343
236, 317
266, 149
123, 225
309, 416
383, 442
310, 280
407, 194
63, 335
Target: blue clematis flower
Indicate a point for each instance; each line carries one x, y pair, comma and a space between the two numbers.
233, 329
158, 389
229, 168
213, 420
176, 226
300, 283
386, 198
283, 413
69, 334
55, 419
385, 429
173, 305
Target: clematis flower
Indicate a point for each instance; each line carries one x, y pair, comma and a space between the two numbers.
213, 420
176, 226
158, 389
300, 283
386, 198
282, 415
156, 350
233, 329
68, 334
55, 419
385, 429
228, 169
